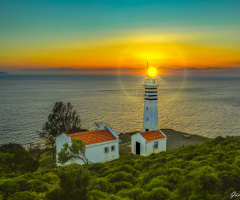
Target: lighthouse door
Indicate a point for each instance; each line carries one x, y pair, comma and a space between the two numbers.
138, 148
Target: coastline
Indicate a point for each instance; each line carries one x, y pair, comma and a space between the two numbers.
175, 139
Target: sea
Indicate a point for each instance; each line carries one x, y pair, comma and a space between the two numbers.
202, 105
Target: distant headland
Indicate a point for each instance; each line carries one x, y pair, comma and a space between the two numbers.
4, 73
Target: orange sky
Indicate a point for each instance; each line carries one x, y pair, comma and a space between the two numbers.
127, 55
119, 37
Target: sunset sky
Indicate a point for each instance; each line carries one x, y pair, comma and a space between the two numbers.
109, 37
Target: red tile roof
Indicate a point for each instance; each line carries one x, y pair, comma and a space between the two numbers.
92, 137
152, 135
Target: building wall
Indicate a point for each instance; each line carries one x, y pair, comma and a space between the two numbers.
146, 148
161, 146
60, 140
138, 138
94, 152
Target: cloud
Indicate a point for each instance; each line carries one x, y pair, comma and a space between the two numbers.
82, 70
206, 70
130, 70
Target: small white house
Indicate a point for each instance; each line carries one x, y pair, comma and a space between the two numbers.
101, 145
146, 143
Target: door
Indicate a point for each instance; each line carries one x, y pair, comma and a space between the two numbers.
138, 148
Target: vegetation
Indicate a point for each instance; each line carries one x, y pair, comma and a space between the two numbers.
15, 158
62, 119
208, 171
76, 151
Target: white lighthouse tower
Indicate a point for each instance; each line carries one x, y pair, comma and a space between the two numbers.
150, 116
151, 139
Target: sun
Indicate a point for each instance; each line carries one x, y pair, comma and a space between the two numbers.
152, 72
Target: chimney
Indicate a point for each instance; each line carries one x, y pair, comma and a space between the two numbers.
101, 126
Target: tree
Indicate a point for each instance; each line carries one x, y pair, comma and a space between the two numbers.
36, 150
74, 183
16, 158
77, 151
63, 119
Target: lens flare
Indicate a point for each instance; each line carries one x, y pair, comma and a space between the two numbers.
152, 72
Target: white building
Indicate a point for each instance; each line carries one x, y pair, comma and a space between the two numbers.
146, 143
151, 139
101, 145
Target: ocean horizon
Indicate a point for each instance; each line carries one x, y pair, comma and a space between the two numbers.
202, 105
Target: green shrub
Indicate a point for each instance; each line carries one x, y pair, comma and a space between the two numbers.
122, 176
105, 185
54, 194
154, 183
19, 160
38, 186
8, 187
122, 185
98, 195
23, 183
174, 170
24, 196
49, 177
159, 193
237, 161
147, 163
131, 194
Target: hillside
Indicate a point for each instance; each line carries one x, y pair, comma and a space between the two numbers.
205, 171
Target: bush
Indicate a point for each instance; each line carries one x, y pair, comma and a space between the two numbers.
38, 186
20, 160
8, 187
23, 183
74, 181
122, 185
96, 167
159, 193
105, 185
54, 194
49, 177
98, 195
154, 183
122, 176
131, 194
24, 196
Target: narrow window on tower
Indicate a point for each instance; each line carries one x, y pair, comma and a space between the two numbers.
147, 129
147, 108
147, 119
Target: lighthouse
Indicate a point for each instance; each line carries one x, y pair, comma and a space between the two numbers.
150, 115
151, 139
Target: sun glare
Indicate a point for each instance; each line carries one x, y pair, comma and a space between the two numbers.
152, 72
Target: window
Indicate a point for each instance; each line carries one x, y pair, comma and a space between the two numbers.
147, 129
155, 145
113, 148
147, 119
147, 108
106, 149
